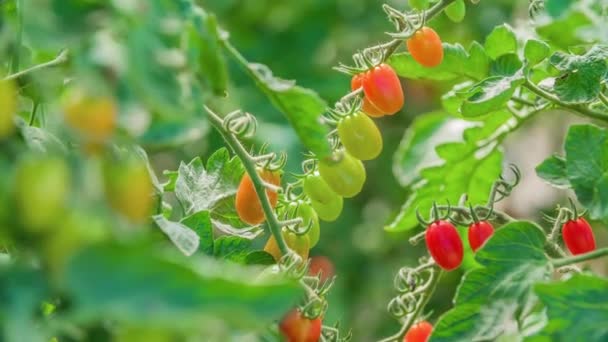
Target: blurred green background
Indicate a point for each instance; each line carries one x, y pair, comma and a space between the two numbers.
303, 40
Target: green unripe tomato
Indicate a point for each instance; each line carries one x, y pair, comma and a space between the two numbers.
8, 108
345, 177
41, 191
309, 218
129, 188
456, 11
419, 4
360, 136
323, 199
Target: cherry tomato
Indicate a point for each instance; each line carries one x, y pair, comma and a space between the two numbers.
425, 47
419, 332
478, 233
360, 136
297, 328
345, 177
300, 244
42, 186
382, 88
309, 218
443, 242
578, 236
248, 205
323, 199
368, 107
92, 117
456, 11
129, 188
322, 266
8, 108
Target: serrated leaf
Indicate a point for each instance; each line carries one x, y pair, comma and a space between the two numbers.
232, 248
184, 238
576, 309
536, 51
457, 62
199, 188
580, 78
140, 287
200, 223
553, 170
490, 298
501, 41
417, 149
489, 95
469, 166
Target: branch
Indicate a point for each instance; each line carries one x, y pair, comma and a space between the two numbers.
579, 258
62, 57
258, 182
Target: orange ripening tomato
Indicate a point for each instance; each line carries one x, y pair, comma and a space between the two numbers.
419, 332
368, 107
297, 328
425, 47
92, 117
382, 88
247, 203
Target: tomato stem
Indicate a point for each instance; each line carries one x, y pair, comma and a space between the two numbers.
598, 253
61, 58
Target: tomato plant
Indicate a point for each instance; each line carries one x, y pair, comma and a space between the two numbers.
479, 233
382, 88
444, 245
297, 328
368, 107
345, 177
360, 136
248, 206
578, 236
425, 47
324, 200
419, 332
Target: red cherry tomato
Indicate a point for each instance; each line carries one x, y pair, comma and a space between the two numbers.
578, 236
382, 88
368, 107
321, 265
425, 47
443, 242
247, 203
479, 232
419, 332
296, 328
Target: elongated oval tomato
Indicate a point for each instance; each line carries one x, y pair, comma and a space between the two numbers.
323, 199
478, 233
368, 107
578, 236
297, 328
309, 218
345, 177
247, 203
425, 47
360, 136
92, 117
321, 266
443, 242
382, 88
300, 244
419, 332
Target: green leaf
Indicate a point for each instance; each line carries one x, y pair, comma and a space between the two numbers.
501, 41
456, 11
419, 4
172, 134
469, 165
580, 78
200, 223
184, 238
556, 8
506, 65
536, 51
199, 188
490, 298
141, 287
576, 309
259, 258
489, 95
563, 32
553, 170
417, 149
456, 63
232, 248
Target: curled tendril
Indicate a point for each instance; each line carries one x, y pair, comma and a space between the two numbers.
435, 214
402, 305
407, 24
535, 7
314, 307
240, 123
309, 165
407, 279
293, 266
332, 334
503, 188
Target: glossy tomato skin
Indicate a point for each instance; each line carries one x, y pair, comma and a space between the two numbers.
247, 203
444, 244
296, 328
578, 236
323, 199
345, 177
300, 244
360, 136
8, 108
479, 233
425, 47
382, 88
419, 332
309, 217
367, 107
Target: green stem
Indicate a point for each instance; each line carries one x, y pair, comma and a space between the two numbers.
577, 109
580, 258
500, 217
34, 112
17, 54
258, 182
61, 58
